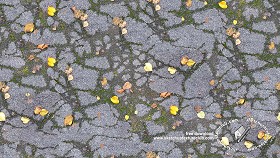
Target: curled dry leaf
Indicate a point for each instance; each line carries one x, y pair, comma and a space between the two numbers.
171, 70
5, 89
104, 81
236, 35
261, 134
31, 57
70, 77
197, 108
156, 1
151, 154
42, 46
190, 63
69, 70
2, 117
184, 60
120, 91
122, 24
116, 21
189, 3
148, 67
271, 46
85, 24
84, 17
201, 114
237, 42
165, 94
248, 144
157, 7
124, 31
277, 86
2, 85
7, 96
267, 137
212, 82
44, 112
29, 27
24, 120
241, 101
230, 31
127, 85
218, 116
154, 105
68, 120
37, 110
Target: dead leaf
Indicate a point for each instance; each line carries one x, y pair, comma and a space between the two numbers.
70, 77
277, 86
69, 70
271, 46
44, 112
230, 31
151, 154
31, 57
127, 85
7, 96
157, 7
189, 3
42, 46
218, 116
2, 85
68, 120
104, 81
261, 134
116, 21
120, 91
184, 60
5, 89
248, 144
212, 82
124, 31
29, 27
84, 17
25, 120
122, 24
37, 110
85, 24
236, 35
165, 94
197, 108
154, 105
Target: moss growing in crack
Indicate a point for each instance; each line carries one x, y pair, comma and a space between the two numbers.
163, 119
257, 4
12, 36
42, 18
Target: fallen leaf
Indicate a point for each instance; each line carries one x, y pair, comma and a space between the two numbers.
157, 7
70, 77
97, 97
116, 21
135, 112
127, 85
223, 4
182, 18
77, 13
267, 137
126, 117
201, 114
25, 120
165, 94
205, 2
151, 154
104, 81
5, 89
174, 109
2, 85
248, 144
230, 31
36, 68
278, 117
189, 3
236, 35
37, 110
212, 82
51, 61
115, 100
69, 70
184, 60
42, 46
120, 91
44, 112
29, 27
2, 117
124, 31
277, 86
7, 96
171, 70
156, 1
225, 141
31, 57
84, 17
68, 120
241, 101
190, 62
234, 22
51, 11
271, 46
148, 67
122, 24
154, 105
237, 42
261, 134
85, 24
197, 108
218, 116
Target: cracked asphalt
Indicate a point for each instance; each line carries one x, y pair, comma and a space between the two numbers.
224, 72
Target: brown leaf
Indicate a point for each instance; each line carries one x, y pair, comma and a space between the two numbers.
236, 35
5, 89
271, 46
68, 120
29, 27
42, 46
127, 85
37, 110
261, 134
184, 60
212, 82
116, 21
154, 105
120, 91
104, 81
218, 116
189, 3
2, 85
122, 24
230, 31
197, 108
36, 68
31, 57
151, 154
165, 94
156, 1
68, 70
277, 86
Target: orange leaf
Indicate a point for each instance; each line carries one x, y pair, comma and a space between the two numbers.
154, 105
165, 94
120, 91
68, 120
189, 3
37, 110
104, 81
42, 46
218, 115
212, 82
127, 85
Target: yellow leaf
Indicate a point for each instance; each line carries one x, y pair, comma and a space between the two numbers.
148, 67
225, 141
51, 11
172, 70
184, 60
271, 46
44, 112
278, 117
223, 4
182, 18
241, 101
234, 22
51, 61
212, 82
267, 137
261, 134
104, 81
190, 62
2, 116
126, 117
277, 86
248, 144
189, 3
68, 120
174, 109
115, 100
201, 114
205, 2
29, 27
25, 120
37, 110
